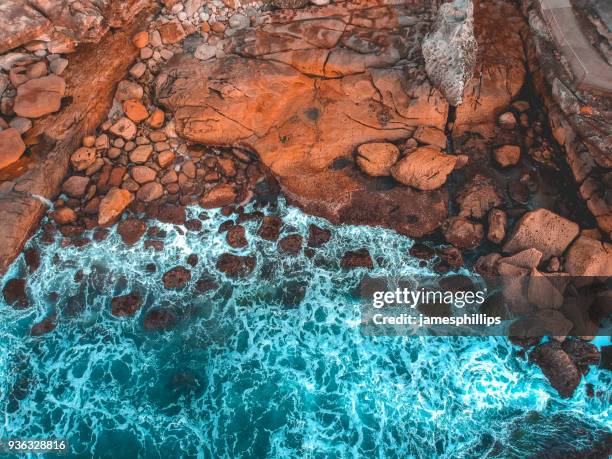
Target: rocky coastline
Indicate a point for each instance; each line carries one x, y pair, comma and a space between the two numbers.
126, 114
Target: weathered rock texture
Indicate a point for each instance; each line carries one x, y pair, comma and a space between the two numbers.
450, 49
90, 82
306, 88
500, 66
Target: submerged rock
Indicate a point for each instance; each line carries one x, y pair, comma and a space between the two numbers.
15, 293
176, 277
236, 237
270, 227
126, 305
291, 245
317, 236
131, 230
47, 325
236, 266
357, 259
159, 319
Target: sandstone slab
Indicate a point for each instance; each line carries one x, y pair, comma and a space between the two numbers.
376, 159
544, 230
113, 205
425, 169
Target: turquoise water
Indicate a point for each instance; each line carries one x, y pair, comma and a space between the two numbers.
243, 376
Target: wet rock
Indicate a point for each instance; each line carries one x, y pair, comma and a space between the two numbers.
11, 147
32, 259
236, 237
193, 225
317, 236
357, 259
421, 251
206, 284
47, 325
235, 266
425, 169
583, 354
543, 230
376, 159
463, 233
270, 227
63, 215
588, 257
219, 196
291, 245
192, 260
450, 258
176, 277
477, 198
75, 186
113, 205
159, 319
14, 292
557, 366
498, 220
170, 213
131, 230
126, 305
39, 97
508, 155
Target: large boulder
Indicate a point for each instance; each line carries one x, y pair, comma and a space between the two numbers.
424, 169
113, 205
376, 159
11, 147
544, 230
39, 96
557, 366
126, 305
588, 257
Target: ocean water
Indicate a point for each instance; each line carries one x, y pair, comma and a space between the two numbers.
242, 375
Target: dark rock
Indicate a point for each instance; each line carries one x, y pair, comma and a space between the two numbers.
170, 213
270, 227
293, 293
291, 245
151, 267
317, 236
158, 319
15, 293
421, 251
100, 234
236, 237
236, 266
357, 259
32, 259
582, 353
126, 305
176, 277
192, 259
557, 366
45, 326
206, 284
193, 225
158, 246
450, 259
249, 216
131, 230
